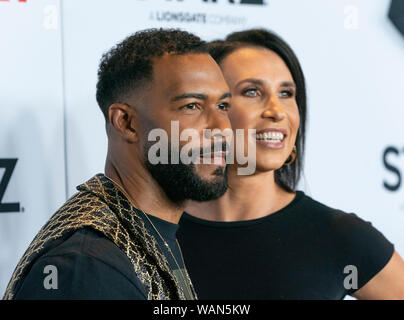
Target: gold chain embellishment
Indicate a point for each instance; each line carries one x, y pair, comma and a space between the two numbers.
186, 279
101, 206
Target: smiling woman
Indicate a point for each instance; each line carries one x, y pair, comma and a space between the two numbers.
264, 239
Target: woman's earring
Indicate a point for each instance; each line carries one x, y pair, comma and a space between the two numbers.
292, 157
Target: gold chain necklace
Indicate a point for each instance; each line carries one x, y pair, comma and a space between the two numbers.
187, 279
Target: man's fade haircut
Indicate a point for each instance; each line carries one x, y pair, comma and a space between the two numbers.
129, 64
287, 177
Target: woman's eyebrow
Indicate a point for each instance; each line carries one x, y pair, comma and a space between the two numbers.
288, 84
252, 80
260, 82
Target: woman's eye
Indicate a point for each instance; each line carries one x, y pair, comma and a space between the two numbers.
251, 92
286, 94
223, 106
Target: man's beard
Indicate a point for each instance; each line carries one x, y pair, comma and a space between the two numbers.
181, 182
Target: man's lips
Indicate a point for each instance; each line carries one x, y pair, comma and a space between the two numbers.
218, 157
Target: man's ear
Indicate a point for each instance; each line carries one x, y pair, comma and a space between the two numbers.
123, 119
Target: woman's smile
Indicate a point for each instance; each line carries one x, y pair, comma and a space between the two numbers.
271, 138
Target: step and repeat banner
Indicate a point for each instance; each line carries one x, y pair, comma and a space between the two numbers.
52, 134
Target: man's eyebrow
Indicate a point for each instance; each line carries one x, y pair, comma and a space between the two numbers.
199, 96
225, 95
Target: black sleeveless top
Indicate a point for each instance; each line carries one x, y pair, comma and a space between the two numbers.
304, 251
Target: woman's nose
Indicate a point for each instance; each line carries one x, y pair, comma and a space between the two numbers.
274, 110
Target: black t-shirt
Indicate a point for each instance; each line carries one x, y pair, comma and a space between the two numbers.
169, 232
304, 251
90, 266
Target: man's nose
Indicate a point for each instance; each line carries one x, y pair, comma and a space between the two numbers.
218, 120
218, 125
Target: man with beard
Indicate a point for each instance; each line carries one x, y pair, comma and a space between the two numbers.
116, 237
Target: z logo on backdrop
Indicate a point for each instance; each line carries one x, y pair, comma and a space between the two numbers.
9, 166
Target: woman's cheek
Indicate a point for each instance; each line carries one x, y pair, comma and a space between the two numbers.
294, 119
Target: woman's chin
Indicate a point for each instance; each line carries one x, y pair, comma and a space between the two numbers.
260, 167
268, 166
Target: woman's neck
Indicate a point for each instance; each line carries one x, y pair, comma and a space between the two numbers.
248, 197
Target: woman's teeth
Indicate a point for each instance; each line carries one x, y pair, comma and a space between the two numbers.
270, 136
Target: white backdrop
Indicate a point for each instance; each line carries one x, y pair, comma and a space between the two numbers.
352, 56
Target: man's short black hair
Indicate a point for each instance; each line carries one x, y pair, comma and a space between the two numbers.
128, 65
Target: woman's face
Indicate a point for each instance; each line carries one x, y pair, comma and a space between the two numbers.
263, 98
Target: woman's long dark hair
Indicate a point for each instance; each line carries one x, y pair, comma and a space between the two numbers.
287, 177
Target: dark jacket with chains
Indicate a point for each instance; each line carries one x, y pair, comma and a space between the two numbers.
100, 205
